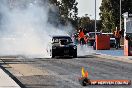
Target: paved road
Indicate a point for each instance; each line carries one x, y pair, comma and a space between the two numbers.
64, 72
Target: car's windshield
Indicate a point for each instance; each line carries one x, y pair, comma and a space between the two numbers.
58, 39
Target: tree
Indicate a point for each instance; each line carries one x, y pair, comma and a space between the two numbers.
53, 12
88, 24
106, 15
127, 6
68, 10
110, 13
84, 21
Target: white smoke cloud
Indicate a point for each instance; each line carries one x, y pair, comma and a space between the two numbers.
24, 29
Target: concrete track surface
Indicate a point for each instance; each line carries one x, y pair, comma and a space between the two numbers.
64, 72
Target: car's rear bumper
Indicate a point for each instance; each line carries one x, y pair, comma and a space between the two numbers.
64, 52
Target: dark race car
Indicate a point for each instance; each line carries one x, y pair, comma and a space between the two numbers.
63, 46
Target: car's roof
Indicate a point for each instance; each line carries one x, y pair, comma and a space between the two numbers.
107, 33
60, 36
94, 32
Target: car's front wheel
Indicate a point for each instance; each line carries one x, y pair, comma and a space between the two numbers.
52, 54
75, 55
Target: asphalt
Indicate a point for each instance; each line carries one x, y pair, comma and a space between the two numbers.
7, 81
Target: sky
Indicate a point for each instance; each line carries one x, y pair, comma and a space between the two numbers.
88, 7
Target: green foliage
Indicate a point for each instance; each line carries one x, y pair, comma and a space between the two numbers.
106, 15
88, 24
66, 11
110, 13
83, 21
127, 6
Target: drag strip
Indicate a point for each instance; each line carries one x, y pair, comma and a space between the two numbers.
64, 72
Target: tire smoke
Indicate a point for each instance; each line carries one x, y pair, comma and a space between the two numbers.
24, 27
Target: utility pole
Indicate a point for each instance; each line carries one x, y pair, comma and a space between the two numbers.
95, 19
120, 15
